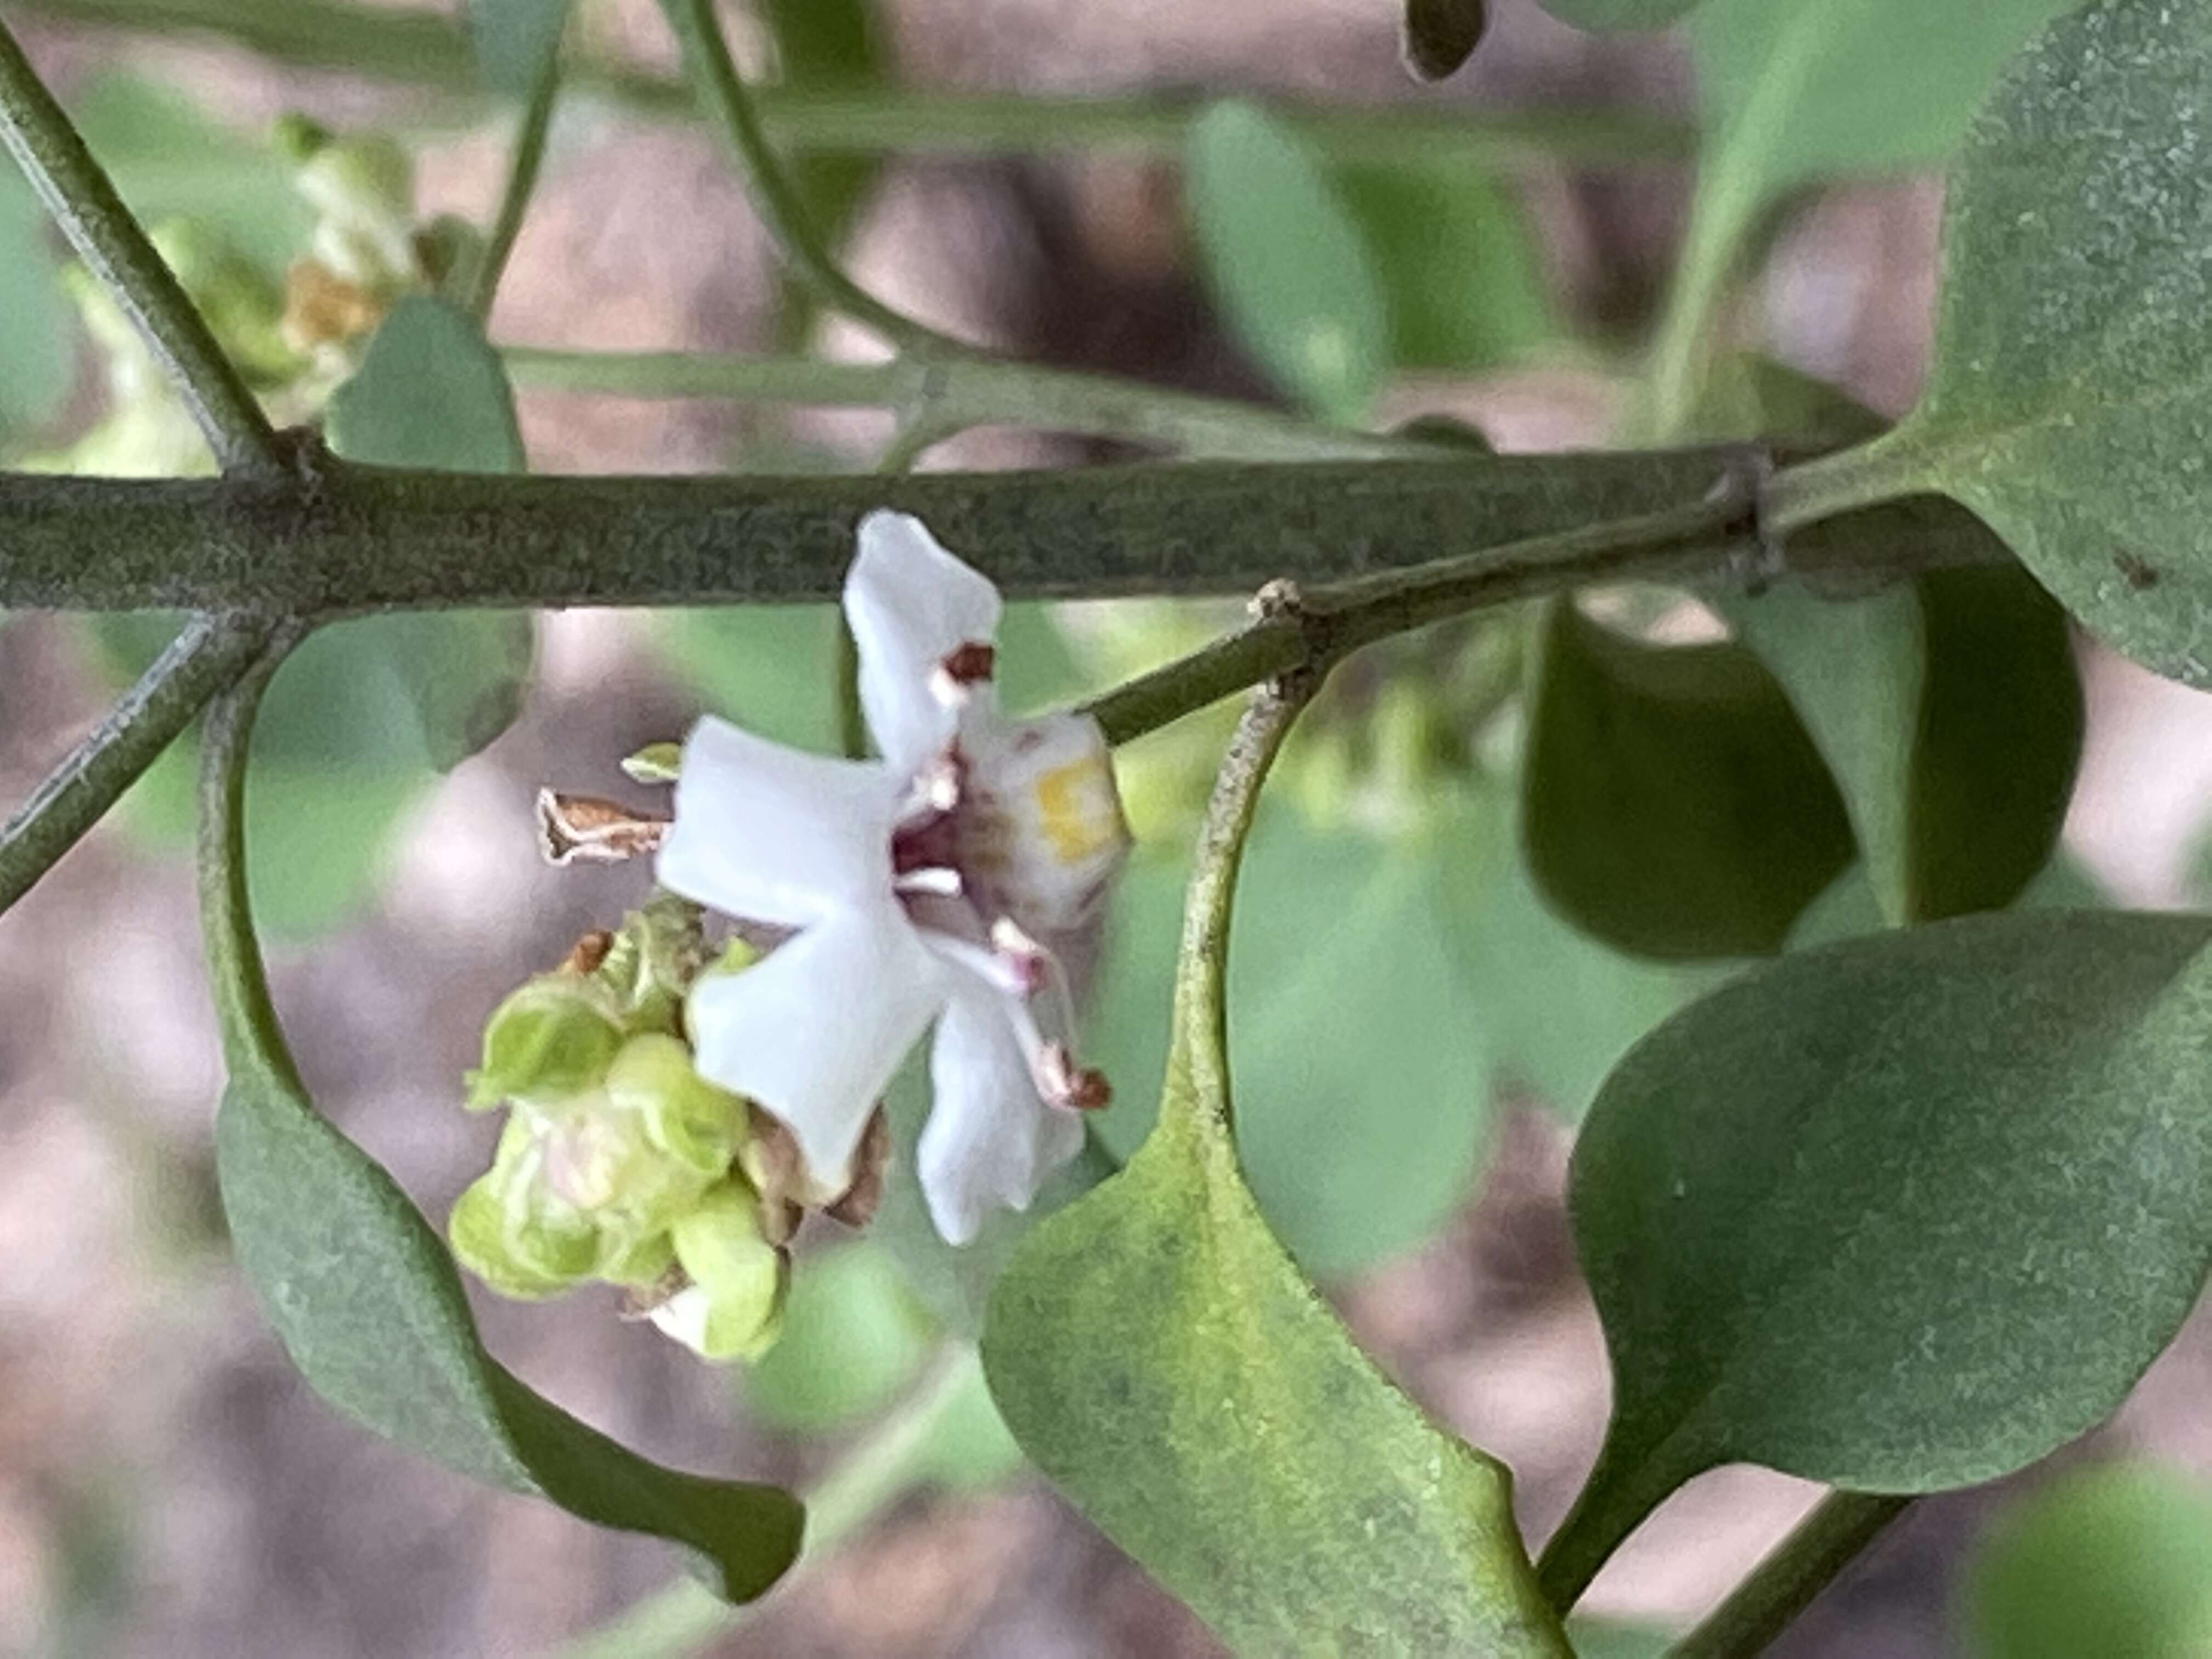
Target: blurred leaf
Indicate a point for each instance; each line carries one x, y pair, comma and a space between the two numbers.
38, 330
1598, 1638
853, 1337
514, 40
2114, 1561
367, 1301
1795, 90
1898, 1214
1440, 35
1604, 15
1285, 262
1672, 805
430, 392
1362, 1047
1559, 1007
1461, 275
1160, 1357
2073, 375
169, 160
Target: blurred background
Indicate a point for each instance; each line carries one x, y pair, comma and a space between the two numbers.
168, 1484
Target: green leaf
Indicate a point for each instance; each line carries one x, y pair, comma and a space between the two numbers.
1157, 1354
1948, 709
514, 40
1605, 16
38, 330
2073, 376
363, 1295
853, 1337
1348, 985
2114, 1561
1671, 803
1461, 271
1284, 261
430, 392
1440, 35
1898, 1214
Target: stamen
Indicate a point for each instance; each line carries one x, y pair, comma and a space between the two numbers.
1063, 1082
571, 828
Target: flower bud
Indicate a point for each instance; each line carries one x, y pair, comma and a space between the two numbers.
699, 1126
733, 1307
362, 190
550, 1040
512, 1233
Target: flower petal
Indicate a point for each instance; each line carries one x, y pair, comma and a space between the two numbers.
910, 605
770, 834
814, 1030
990, 1141
1050, 782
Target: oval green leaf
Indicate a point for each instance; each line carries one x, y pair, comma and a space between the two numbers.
1672, 804
2072, 385
2114, 1561
361, 1292
1155, 1350
1898, 1214
1285, 264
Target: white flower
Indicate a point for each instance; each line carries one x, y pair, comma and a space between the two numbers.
942, 882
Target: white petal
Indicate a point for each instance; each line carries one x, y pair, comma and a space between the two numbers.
990, 1141
1051, 780
911, 605
814, 1030
775, 835
683, 1317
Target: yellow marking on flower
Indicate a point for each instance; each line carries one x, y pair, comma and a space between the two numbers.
1078, 811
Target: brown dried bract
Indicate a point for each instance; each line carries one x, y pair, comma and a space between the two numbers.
573, 828
856, 1205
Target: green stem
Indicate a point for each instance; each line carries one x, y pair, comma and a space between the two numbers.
366, 538
209, 654
429, 48
1838, 483
37, 133
874, 1473
1784, 1583
722, 94
969, 391
251, 1037
521, 179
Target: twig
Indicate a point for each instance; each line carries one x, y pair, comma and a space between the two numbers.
521, 179
208, 655
722, 91
1797, 1569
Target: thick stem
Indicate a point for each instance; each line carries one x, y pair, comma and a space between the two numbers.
209, 654
367, 538
529, 155
970, 391
37, 133
775, 197
1784, 1583
426, 48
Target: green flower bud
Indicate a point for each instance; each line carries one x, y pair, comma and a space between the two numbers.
733, 1307
650, 963
656, 762
509, 1231
550, 1040
681, 1115
362, 190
